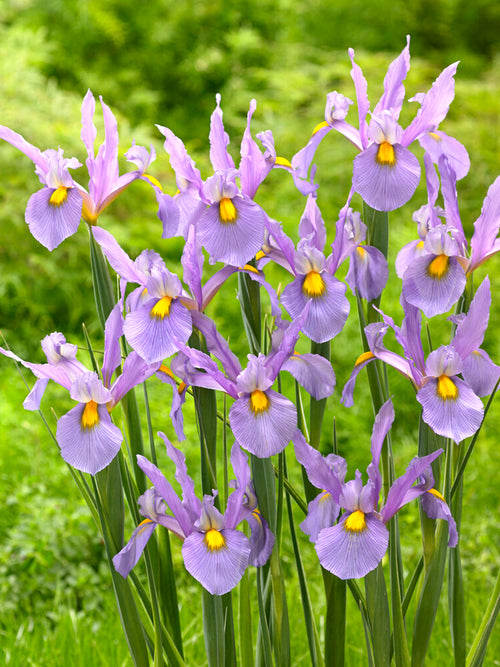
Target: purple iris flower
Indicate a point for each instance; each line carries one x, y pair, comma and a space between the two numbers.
262, 419
215, 553
314, 273
230, 225
105, 183
385, 173
158, 323
53, 213
356, 544
451, 404
87, 437
434, 270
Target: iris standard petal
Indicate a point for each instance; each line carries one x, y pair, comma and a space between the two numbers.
217, 561
263, 427
88, 444
155, 333
235, 234
351, 554
454, 412
51, 223
386, 186
368, 272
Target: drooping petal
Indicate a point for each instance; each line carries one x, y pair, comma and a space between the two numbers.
265, 428
486, 227
437, 143
402, 490
352, 554
368, 272
126, 559
480, 373
435, 507
322, 472
386, 186
219, 564
155, 334
434, 283
232, 237
261, 539
328, 308
313, 372
51, 223
454, 413
88, 446
322, 512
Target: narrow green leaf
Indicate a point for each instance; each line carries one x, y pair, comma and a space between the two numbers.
479, 646
378, 612
245, 622
103, 287
429, 598
213, 629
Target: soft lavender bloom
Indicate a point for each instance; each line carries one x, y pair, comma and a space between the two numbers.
313, 283
436, 280
314, 273
214, 551
105, 183
451, 404
434, 269
262, 419
230, 225
385, 173
87, 437
53, 213
357, 543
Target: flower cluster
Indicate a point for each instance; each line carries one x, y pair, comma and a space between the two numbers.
160, 315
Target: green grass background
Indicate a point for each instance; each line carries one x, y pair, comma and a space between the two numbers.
163, 62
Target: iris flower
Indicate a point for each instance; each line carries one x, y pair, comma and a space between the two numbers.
451, 404
53, 213
355, 545
215, 553
229, 223
86, 435
434, 270
386, 173
262, 419
314, 273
